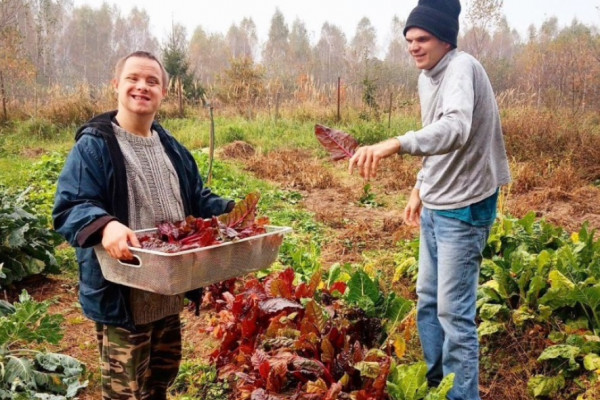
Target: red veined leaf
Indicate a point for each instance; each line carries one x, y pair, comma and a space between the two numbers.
262, 394
339, 144
277, 377
327, 351
339, 286
311, 366
336, 338
364, 395
262, 221
243, 214
246, 349
276, 325
264, 369
278, 304
307, 344
278, 288
288, 276
314, 314
249, 327
303, 291
379, 384
358, 353
254, 286
308, 290
308, 326
317, 387
333, 392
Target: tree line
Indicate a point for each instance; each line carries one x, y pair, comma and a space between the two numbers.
50, 45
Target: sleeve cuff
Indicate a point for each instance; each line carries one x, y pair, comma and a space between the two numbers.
407, 142
91, 235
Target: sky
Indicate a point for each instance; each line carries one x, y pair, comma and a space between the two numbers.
218, 16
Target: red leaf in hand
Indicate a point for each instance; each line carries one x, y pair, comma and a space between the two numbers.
339, 144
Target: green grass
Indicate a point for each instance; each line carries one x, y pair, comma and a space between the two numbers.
268, 134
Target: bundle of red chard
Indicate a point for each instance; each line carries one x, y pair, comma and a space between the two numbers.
192, 233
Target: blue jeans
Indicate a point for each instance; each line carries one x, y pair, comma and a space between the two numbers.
450, 256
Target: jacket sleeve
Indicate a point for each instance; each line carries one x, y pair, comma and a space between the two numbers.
79, 212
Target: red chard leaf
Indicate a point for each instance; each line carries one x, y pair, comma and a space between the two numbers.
243, 214
339, 144
278, 304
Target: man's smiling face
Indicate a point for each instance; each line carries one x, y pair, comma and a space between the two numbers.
140, 87
426, 49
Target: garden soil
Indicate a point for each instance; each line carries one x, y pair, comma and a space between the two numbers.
357, 226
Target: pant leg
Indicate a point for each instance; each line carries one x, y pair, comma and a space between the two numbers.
124, 361
165, 357
459, 251
431, 333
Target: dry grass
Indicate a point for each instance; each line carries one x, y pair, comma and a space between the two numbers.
296, 169
238, 150
560, 146
509, 360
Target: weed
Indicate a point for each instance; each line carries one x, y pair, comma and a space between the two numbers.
198, 381
368, 198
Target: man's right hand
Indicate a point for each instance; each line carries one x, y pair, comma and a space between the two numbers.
366, 159
115, 237
412, 211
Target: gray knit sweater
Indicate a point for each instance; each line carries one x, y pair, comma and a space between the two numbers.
465, 158
154, 196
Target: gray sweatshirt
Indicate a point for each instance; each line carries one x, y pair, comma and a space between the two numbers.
465, 157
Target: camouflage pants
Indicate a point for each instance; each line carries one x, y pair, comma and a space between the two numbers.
139, 365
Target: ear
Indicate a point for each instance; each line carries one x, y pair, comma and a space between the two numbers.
164, 91
115, 84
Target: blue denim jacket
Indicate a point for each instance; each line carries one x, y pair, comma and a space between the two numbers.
92, 191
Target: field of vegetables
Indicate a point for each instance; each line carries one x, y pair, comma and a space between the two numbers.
333, 318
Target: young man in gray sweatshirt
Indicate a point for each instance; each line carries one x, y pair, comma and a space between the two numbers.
454, 199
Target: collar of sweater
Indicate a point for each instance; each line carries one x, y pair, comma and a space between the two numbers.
436, 72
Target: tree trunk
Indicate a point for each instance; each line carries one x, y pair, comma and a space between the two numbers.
180, 96
338, 98
211, 153
3, 94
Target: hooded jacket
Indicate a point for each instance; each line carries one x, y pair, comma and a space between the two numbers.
92, 190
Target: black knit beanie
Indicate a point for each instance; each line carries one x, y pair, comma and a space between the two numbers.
438, 17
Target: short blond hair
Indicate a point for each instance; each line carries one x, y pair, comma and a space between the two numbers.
141, 54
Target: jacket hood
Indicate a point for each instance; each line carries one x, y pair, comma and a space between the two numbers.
101, 123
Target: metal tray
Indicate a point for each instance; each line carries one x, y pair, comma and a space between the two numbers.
174, 273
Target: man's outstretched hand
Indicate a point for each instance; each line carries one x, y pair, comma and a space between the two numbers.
366, 159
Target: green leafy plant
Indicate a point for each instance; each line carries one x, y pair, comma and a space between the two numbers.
41, 184
30, 373
368, 198
27, 245
199, 381
409, 382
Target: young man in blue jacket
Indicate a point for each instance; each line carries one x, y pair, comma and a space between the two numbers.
455, 196
126, 173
